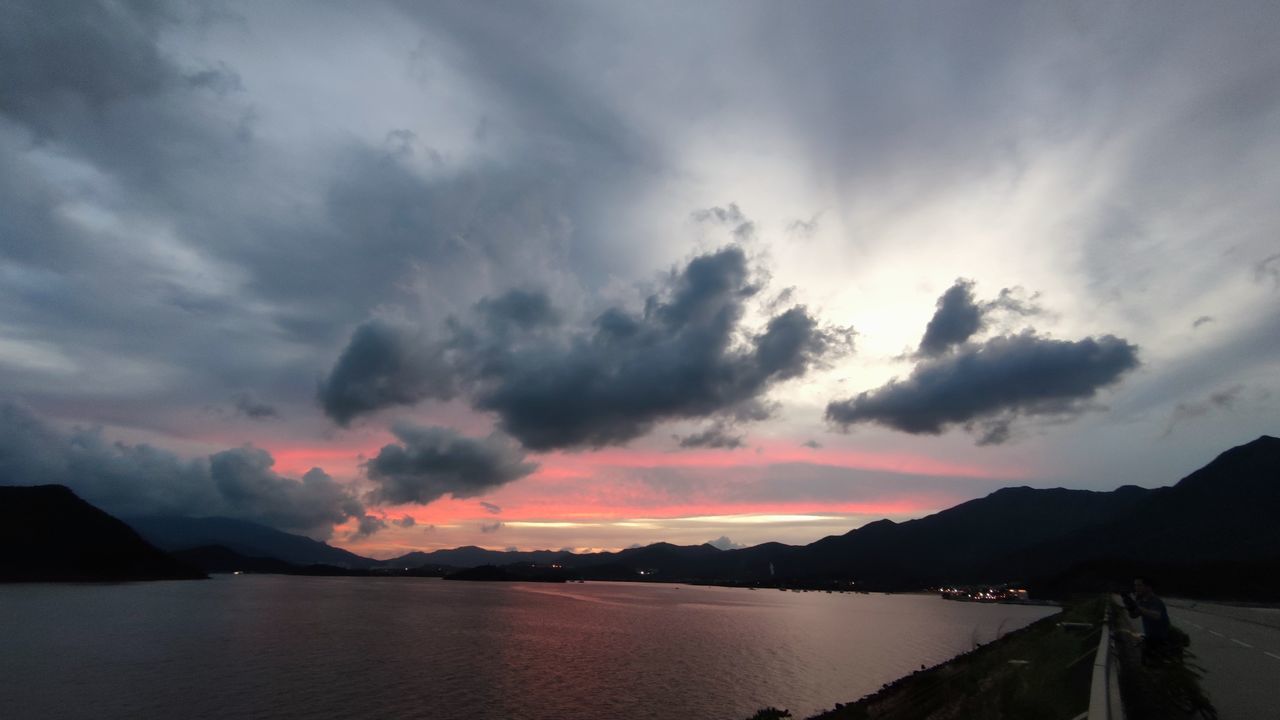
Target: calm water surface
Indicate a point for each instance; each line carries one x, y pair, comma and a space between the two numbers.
288, 647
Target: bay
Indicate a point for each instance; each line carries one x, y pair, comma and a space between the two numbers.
294, 647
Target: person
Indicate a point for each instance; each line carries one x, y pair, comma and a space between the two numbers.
1156, 632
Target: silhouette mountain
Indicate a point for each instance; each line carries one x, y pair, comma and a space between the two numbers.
48, 533
220, 559
470, 556
244, 538
1214, 532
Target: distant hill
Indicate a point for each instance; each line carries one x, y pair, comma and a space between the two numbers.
1213, 533
220, 559
245, 538
47, 533
470, 556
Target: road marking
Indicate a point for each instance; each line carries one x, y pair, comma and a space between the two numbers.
1271, 654
1241, 643
1215, 632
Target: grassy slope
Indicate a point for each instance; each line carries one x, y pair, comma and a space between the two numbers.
984, 684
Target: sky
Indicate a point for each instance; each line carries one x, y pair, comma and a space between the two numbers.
583, 275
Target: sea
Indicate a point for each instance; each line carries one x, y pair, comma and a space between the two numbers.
266, 646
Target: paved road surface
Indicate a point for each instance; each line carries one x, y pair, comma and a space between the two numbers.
1239, 649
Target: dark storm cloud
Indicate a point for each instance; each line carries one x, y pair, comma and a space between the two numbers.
989, 384
431, 462
131, 480
719, 435
685, 356
678, 359
519, 310
960, 316
385, 364
957, 318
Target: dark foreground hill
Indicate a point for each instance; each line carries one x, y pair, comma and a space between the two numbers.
47, 533
244, 538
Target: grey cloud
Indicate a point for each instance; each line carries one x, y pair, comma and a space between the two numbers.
731, 215
385, 364
246, 405
518, 309
743, 229
490, 527
431, 462
1202, 320
406, 522
684, 357
368, 525
1268, 267
812, 444
133, 480
248, 484
957, 318
988, 385
490, 507
804, 228
1224, 399
677, 360
718, 435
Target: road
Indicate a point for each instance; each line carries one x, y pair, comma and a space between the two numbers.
1239, 649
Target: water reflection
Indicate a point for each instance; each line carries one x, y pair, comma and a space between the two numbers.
280, 647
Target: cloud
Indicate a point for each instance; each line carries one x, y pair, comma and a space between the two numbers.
959, 316
367, 525
253, 409
134, 480
1202, 320
804, 228
490, 507
988, 385
812, 444
431, 462
1268, 267
724, 543
248, 485
679, 359
1224, 399
519, 310
491, 527
718, 435
406, 522
743, 228
384, 364
685, 356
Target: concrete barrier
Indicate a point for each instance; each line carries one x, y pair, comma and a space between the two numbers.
1104, 692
